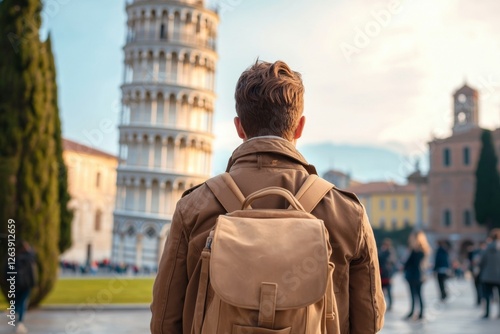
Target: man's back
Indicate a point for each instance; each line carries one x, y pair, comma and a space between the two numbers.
258, 163
269, 106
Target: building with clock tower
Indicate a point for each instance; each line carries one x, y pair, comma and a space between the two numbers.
451, 179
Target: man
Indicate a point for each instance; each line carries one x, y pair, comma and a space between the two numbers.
269, 105
442, 267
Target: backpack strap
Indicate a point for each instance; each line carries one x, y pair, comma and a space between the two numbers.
230, 200
309, 195
199, 311
312, 192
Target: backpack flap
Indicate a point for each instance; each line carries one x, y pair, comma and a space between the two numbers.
249, 254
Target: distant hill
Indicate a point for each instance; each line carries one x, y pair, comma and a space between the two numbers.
364, 163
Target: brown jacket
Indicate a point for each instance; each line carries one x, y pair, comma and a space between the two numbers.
259, 163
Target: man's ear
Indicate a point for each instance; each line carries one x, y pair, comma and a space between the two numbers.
300, 128
239, 128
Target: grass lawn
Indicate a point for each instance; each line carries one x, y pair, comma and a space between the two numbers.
110, 290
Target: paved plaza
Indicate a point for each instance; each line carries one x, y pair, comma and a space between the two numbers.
458, 315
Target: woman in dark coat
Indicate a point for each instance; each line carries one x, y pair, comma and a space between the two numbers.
414, 269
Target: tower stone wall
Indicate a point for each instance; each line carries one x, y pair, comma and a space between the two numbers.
166, 121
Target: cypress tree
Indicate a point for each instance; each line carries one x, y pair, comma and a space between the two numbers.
29, 171
66, 215
487, 197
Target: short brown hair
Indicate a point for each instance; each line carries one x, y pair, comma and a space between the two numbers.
269, 100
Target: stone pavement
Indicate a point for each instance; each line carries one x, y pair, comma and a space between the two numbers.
457, 315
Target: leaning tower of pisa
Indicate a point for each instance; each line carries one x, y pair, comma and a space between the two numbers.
166, 120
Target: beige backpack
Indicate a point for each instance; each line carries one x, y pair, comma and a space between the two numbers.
266, 271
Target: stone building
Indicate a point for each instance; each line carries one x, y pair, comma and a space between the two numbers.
166, 122
339, 179
451, 178
92, 186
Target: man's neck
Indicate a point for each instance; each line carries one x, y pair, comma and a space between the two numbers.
272, 137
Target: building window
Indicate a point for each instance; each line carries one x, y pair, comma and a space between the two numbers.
467, 218
466, 156
406, 204
394, 204
447, 157
394, 224
98, 220
381, 224
406, 223
382, 204
447, 218
98, 180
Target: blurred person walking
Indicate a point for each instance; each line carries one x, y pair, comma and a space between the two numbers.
25, 281
414, 269
474, 257
442, 267
490, 269
387, 262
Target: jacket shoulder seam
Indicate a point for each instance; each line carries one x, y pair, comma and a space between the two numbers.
190, 190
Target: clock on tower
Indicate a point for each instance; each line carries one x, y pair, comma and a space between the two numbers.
465, 109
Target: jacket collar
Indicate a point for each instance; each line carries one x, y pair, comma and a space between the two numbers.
270, 144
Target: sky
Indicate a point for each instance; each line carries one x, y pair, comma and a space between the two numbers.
377, 73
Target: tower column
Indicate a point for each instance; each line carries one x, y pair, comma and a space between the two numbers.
156, 66
149, 195
168, 199
138, 250
161, 200
150, 150
147, 24
121, 245
164, 146
154, 109
170, 27
168, 73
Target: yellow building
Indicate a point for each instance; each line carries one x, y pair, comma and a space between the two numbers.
393, 206
92, 186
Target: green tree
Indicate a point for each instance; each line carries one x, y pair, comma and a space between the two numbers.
29, 139
66, 215
487, 197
